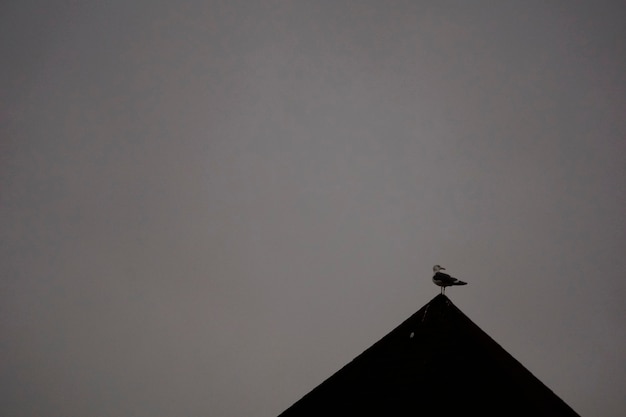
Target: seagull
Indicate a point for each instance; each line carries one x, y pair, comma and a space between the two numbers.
444, 280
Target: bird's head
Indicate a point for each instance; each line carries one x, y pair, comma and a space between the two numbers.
437, 268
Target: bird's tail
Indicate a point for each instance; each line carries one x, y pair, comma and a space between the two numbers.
460, 283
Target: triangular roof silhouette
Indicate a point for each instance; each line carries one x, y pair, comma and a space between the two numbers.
436, 363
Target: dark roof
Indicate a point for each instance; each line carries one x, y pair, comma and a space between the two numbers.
439, 363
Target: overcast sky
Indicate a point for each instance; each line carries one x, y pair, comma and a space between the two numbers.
209, 207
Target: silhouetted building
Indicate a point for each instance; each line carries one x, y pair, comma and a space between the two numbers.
436, 363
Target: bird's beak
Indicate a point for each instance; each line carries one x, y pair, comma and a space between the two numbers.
442, 267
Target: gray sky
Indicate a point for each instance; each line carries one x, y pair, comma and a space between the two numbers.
208, 207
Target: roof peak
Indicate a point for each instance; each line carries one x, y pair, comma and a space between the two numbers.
438, 346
